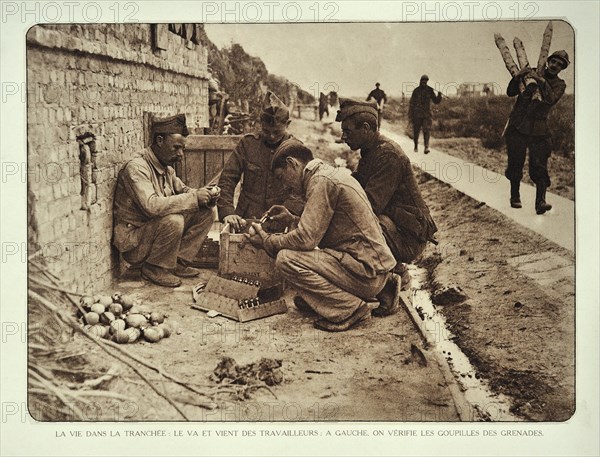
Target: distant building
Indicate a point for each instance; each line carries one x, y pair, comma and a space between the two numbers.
478, 89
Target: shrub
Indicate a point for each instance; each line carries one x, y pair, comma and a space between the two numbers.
485, 118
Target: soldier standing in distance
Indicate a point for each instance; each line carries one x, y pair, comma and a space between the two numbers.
419, 111
380, 98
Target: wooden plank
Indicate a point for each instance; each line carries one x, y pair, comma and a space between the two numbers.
205, 157
194, 169
213, 164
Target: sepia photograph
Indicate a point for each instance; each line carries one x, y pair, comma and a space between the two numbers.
322, 227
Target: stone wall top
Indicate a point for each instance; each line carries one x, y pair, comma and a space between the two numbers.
134, 43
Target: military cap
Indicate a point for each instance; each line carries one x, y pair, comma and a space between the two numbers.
561, 55
424, 77
350, 107
287, 146
273, 109
173, 124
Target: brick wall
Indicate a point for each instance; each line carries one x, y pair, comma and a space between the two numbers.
99, 79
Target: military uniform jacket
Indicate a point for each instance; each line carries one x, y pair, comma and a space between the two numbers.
378, 95
259, 190
337, 218
145, 190
528, 116
420, 102
385, 172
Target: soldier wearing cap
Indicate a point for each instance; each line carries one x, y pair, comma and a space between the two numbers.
353, 261
527, 128
252, 160
159, 222
419, 111
385, 172
381, 99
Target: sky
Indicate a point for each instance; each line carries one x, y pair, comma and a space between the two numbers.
351, 57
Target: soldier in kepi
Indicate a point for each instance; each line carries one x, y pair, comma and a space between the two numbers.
353, 262
381, 99
419, 111
527, 128
386, 175
252, 159
159, 222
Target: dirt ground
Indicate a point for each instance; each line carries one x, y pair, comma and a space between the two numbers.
368, 373
516, 326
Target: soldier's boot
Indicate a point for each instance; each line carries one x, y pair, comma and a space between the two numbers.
540, 199
515, 196
160, 276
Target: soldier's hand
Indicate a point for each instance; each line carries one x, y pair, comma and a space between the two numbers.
523, 72
215, 192
256, 235
237, 223
203, 195
539, 79
281, 214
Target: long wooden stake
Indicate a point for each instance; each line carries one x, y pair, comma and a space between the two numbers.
524, 63
545, 49
509, 62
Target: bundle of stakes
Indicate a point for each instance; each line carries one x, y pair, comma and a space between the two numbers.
61, 380
512, 67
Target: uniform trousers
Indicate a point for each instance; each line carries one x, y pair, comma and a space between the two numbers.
540, 148
325, 284
164, 239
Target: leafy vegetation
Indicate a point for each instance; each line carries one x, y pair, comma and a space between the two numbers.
485, 117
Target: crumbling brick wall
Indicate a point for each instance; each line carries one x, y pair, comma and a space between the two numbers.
88, 89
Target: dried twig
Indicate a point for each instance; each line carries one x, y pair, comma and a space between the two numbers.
102, 344
53, 287
52, 388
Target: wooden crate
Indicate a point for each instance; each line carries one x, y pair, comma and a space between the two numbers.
237, 257
204, 158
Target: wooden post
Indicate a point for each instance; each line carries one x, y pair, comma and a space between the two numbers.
545, 48
509, 62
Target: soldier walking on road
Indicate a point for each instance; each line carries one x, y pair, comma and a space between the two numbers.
527, 128
381, 99
419, 111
